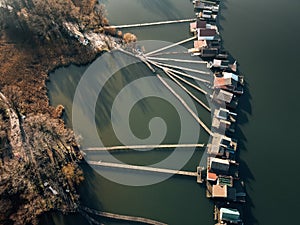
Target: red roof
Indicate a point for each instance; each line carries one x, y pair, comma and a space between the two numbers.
220, 81
212, 176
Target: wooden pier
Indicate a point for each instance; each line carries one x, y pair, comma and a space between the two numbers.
151, 24
143, 168
194, 115
187, 91
170, 46
183, 68
189, 83
121, 217
179, 72
178, 60
132, 147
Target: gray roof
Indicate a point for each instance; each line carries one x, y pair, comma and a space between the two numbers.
224, 96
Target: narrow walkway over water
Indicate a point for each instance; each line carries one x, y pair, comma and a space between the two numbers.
142, 168
121, 217
151, 24
177, 60
130, 147
170, 46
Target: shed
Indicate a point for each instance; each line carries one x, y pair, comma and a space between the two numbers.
212, 176
230, 215
219, 191
223, 95
219, 165
209, 52
200, 44
201, 23
206, 34
221, 81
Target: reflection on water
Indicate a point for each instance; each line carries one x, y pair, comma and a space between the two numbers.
96, 189
163, 8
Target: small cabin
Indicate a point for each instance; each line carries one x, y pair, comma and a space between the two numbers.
229, 82
212, 176
200, 5
200, 44
219, 165
225, 98
219, 140
225, 114
219, 191
209, 52
206, 33
230, 215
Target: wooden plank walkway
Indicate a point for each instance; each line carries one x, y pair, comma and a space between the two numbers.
121, 217
151, 24
189, 83
202, 124
183, 68
142, 168
170, 46
130, 147
187, 91
177, 60
170, 53
185, 105
179, 72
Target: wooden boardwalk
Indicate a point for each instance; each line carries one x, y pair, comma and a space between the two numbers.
189, 83
177, 60
193, 114
170, 46
151, 24
121, 217
178, 72
183, 68
187, 91
142, 168
132, 147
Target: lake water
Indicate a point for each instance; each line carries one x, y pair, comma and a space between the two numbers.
263, 37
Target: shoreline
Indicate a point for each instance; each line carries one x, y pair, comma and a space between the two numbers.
35, 141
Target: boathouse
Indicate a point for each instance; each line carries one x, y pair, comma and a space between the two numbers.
230, 83
206, 33
200, 44
221, 96
230, 215
219, 165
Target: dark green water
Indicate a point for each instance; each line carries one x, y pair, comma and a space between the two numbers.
263, 37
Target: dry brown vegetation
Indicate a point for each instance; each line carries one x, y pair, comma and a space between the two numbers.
33, 43
129, 37
44, 18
